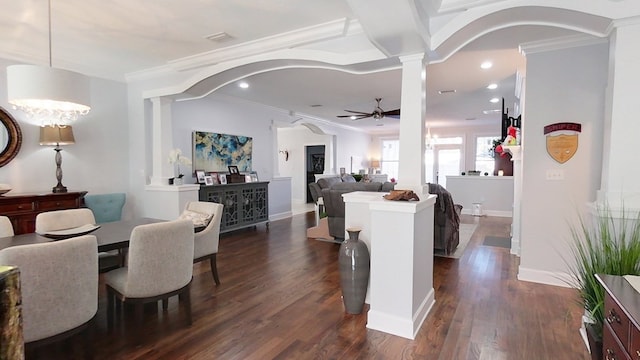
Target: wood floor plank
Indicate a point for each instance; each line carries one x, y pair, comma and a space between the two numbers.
280, 299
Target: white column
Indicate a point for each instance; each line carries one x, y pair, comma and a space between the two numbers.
412, 117
162, 141
620, 172
400, 291
164, 201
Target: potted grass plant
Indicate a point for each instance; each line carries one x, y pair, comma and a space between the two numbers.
610, 244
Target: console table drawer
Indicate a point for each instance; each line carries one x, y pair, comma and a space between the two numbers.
16, 207
57, 204
612, 349
634, 350
616, 318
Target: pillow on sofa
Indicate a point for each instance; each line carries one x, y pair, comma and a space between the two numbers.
198, 218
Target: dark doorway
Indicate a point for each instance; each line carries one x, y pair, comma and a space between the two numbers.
315, 165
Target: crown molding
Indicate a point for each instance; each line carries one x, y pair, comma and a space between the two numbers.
560, 43
289, 39
617, 23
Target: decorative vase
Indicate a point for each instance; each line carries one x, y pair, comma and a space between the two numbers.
354, 264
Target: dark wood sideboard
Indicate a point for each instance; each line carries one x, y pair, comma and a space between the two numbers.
621, 329
245, 204
22, 209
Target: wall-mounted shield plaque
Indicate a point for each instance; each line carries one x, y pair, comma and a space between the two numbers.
564, 145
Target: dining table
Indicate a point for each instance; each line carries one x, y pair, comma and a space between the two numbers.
111, 236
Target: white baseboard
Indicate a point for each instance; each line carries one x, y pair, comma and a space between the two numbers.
497, 213
543, 277
280, 216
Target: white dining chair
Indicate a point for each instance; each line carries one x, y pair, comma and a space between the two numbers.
6, 228
206, 241
160, 265
59, 286
63, 219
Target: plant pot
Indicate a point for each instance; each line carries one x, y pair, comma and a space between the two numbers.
595, 341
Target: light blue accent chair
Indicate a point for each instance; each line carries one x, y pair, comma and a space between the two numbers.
106, 207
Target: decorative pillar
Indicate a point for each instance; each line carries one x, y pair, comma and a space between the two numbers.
619, 181
162, 141
164, 201
412, 117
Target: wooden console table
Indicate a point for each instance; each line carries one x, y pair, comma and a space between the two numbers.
245, 204
621, 329
22, 209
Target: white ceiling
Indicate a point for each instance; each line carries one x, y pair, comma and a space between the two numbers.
113, 38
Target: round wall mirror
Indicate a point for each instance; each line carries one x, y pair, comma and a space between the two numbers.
10, 137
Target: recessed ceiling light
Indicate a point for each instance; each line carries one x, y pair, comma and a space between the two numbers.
492, 86
486, 65
315, 105
243, 85
446, 91
353, 117
470, 118
489, 112
494, 100
379, 124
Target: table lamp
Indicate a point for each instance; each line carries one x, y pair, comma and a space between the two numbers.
57, 135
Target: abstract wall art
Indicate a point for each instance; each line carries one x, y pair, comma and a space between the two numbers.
215, 152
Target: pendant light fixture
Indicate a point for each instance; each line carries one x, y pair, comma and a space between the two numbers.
49, 96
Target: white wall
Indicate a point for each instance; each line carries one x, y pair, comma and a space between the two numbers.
562, 86
97, 162
294, 139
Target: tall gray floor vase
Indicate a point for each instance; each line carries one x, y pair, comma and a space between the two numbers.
354, 263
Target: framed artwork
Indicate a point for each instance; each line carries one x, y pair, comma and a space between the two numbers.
254, 176
233, 169
215, 152
208, 180
200, 174
223, 178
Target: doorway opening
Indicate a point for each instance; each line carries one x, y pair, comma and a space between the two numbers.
315, 165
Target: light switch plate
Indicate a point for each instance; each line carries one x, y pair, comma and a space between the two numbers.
555, 174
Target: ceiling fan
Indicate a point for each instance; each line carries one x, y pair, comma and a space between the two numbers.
377, 113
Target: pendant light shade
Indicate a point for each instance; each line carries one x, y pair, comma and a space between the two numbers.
50, 96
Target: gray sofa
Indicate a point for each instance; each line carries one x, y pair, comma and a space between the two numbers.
325, 183
334, 204
446, 220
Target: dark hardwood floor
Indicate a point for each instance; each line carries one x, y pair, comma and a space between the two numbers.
280, 299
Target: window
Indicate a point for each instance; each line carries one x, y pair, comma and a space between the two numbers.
484, 157
390, 158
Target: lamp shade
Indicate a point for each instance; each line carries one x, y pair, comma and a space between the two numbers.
56, 96
375, 163
56, 135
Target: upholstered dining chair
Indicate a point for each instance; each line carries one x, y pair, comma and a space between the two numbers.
106, 207
206, 241
160, 265
63, 219
70, 218
6, 228
59, 296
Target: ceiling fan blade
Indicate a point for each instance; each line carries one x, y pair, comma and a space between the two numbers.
345, 116
358, 112
391, 112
